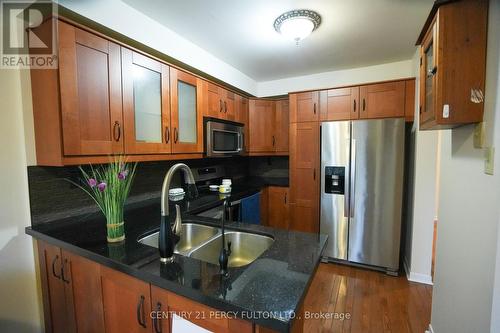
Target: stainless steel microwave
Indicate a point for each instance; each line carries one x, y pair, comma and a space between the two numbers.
223, 138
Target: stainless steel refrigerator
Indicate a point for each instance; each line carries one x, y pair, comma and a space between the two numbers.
362, 166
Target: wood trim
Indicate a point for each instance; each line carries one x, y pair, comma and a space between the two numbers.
410, 100
79, 160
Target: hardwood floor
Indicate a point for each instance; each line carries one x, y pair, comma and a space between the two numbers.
373, 301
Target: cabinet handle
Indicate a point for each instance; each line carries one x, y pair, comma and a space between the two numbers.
117, 128
274, 140
354, 105
167, 134
141, 317
432, 72
314, 174
285, 198
225, 107
221, 106
176, 135
364, 104
314, 108
63, 264
156, 320
420, 109
54, 268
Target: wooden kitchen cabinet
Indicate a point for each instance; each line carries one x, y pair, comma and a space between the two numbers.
90, 93
186, 112
339, 104
277, 207
304, 106
146, 104
71, 289
221, 103
126, 301
282, 125
382, 100
268, 126
304, 176
201, 315
262, 119
453, 64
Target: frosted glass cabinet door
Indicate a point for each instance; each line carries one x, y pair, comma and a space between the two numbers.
186, 101
145, 104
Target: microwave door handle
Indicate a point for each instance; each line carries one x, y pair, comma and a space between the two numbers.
240, 142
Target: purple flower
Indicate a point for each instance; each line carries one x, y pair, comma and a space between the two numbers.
101, 186
122, 174
92, 182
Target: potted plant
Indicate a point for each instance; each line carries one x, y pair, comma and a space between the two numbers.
109, 186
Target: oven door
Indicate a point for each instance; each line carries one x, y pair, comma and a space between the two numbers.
223, 139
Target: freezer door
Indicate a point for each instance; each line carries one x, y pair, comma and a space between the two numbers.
335, 142
377, 162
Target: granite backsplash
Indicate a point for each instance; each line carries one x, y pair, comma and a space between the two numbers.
53, 197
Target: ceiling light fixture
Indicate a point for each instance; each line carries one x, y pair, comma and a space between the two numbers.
297, 24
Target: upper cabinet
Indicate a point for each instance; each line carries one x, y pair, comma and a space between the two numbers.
382, 100
339, 104
90, 95
268, 127
304, 106
146, 104
186, 111
221, 103
453, 64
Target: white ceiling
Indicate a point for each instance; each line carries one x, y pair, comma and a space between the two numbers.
353, 33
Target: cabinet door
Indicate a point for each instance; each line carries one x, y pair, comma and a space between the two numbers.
339, 104
383, 100
127, 302
54, 300
282, 125
304, 107
146, 104
186, 112
304, 176
196, 313
215, 107
277, 216
229, 105
261, 126
428, 71
90, 86
82, 281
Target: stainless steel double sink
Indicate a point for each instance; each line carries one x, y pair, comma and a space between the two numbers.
204, 243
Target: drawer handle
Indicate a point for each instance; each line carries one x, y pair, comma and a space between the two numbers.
364, 104
54, 268
221, 105
225, 107
314, 109
354, 105
141, 317
156, 319
117, 131
63, 264
176, 135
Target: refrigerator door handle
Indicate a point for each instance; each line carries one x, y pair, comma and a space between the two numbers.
352, 171
346, 182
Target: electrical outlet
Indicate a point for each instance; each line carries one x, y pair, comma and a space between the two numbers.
479, 134
489, 160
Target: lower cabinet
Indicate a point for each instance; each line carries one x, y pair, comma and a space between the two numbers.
127, 302
80, 295
71, 291
275, 207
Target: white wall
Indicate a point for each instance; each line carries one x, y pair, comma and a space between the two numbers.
20, 308
389, 71
467, 240
130, 22
422, 185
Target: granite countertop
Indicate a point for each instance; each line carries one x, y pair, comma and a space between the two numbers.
275, 283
